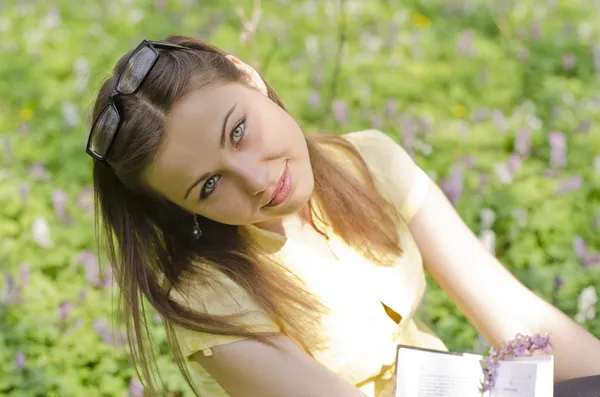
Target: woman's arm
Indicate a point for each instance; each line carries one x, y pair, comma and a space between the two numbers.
249, 368
493, 300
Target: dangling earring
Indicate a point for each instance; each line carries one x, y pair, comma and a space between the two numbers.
196, 231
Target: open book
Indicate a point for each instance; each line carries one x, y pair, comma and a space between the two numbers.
432, 373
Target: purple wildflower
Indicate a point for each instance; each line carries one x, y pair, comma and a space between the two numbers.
596, 57
521, 33
592, 260
462, 127
558, 149
580, 248
499, 120
20, 361
120, 339
559, 283
409, 134
10, 282
570, 185
376, 122
314, 99
483, 182
108, 277
585, 126
10, 293
63, 311
480, 115
523, 142
136, 389
157, 318
59, 200
465, 43
521, 345
24, 192
453, 185
39, 172
91, 266
569, 62
536, 31
24, 273
513, 164
340, 111
524, 54
483, 76
85, 200
24, 128
390, 110
101, 327
568, 29
8, 153
318, 75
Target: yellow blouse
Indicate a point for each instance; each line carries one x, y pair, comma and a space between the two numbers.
360, 336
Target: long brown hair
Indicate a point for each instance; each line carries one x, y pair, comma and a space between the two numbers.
149, 240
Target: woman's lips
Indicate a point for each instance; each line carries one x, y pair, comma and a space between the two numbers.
283, 188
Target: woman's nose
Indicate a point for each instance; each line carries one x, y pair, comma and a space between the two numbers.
253, 174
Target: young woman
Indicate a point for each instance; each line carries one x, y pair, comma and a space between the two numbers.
282, 264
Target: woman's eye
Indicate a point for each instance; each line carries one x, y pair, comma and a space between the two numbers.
209, 186
238, 132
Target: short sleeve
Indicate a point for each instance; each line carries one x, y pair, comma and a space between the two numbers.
222, 297
393, 169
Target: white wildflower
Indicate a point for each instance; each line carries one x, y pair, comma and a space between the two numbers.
488, 217
41, 233
503, 173
488, 239
70, 114
596, 165
520, 215
586, 306
51, 20
5, 25
135, 16
311, 45
81, 70
585, 30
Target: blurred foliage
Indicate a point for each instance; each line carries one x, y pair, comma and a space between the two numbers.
497, 100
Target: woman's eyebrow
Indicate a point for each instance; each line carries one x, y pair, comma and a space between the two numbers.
196, 182
225, 125
222, 145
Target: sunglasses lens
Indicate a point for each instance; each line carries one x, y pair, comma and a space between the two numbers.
104, 130
136, 69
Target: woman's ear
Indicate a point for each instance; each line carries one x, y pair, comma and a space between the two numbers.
251, 74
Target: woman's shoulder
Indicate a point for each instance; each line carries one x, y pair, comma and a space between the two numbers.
382, 154
370, 139
393, 169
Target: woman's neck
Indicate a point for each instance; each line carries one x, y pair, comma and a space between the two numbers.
296, 221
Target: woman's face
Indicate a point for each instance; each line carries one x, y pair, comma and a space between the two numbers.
232, 155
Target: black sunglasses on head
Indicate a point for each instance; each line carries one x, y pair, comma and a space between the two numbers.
137, 68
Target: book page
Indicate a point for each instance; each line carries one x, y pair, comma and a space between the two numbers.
425, 373
515, 379
525, 377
